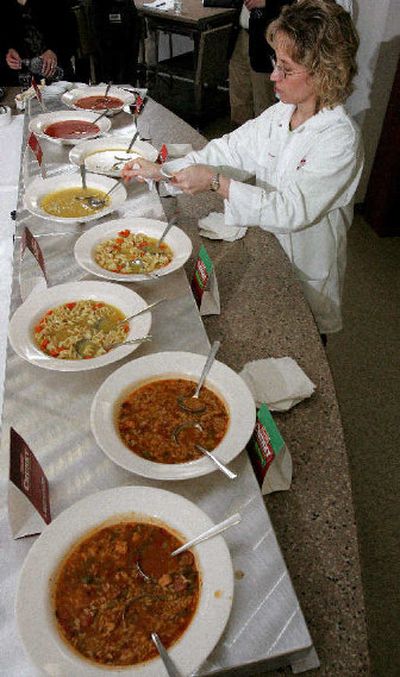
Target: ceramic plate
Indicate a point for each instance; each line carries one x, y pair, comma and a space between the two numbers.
70, 98
223, 380
100, 155
34, 613
28, 314
39, 123
39, 188
179, 242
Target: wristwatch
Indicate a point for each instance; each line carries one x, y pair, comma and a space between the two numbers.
214, 183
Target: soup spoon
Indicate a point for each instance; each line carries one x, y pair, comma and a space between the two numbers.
97, 202
82, 344
104, 324
169, 665
183, 400
209, 533
154, 250
229, 473
107, 110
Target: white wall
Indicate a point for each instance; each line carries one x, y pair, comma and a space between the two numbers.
378, 24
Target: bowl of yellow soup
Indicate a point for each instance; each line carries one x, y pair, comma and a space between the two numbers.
62, 198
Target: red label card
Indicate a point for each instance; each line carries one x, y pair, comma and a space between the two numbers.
35, 147
163, 154
28, 240
37, 90
27, 474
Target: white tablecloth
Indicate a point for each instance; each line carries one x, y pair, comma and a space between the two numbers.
10, 157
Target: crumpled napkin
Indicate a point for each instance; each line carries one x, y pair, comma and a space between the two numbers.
213, 226
178, 149
56, 89
162, 5
279, 382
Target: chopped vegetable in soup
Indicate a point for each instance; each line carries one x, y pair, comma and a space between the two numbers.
66, 202
152, 424
71, 129
98, 102
119, 585
80, 330
132, 253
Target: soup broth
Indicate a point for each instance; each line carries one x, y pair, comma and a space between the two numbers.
65, 202
71, 129
148, 417
119, 585
99, 102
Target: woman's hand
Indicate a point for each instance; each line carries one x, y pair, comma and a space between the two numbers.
141, 169
194, 179
197, 179
13, 59
49, 63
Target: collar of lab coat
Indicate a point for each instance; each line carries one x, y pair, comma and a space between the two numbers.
320, 121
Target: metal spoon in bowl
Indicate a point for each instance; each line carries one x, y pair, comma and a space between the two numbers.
229, 473
154, 250
108, 88
183, 400
169, 665
82, 345
82, 169
209, 533
107, 110
104, 324
97, 202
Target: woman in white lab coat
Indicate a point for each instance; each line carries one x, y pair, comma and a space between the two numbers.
304, 152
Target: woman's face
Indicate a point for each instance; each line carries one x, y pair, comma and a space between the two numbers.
292, 82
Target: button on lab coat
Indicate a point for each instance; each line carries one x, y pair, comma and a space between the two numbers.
305, 185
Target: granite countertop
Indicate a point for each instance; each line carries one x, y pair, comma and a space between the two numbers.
264, 314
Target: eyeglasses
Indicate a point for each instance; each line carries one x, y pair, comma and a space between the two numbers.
282, 72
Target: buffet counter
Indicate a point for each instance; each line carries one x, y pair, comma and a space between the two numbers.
264, 314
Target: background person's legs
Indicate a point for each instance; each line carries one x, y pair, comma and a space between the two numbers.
240, 87
263, 92
250, 93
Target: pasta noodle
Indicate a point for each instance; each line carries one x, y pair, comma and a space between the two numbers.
71, 331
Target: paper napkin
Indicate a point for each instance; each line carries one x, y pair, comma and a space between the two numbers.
279, 382
213, 226
178, 149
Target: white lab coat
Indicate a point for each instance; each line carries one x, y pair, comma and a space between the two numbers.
305, 184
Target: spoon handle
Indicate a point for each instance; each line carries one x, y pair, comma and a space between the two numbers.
134, 137
142, 310
83, 174
114, 186
166, 230
140, 339
108, 88
213, 531
210, 359
100, 116
221, 466
169, 665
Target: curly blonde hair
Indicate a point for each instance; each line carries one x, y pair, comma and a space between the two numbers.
320, 35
